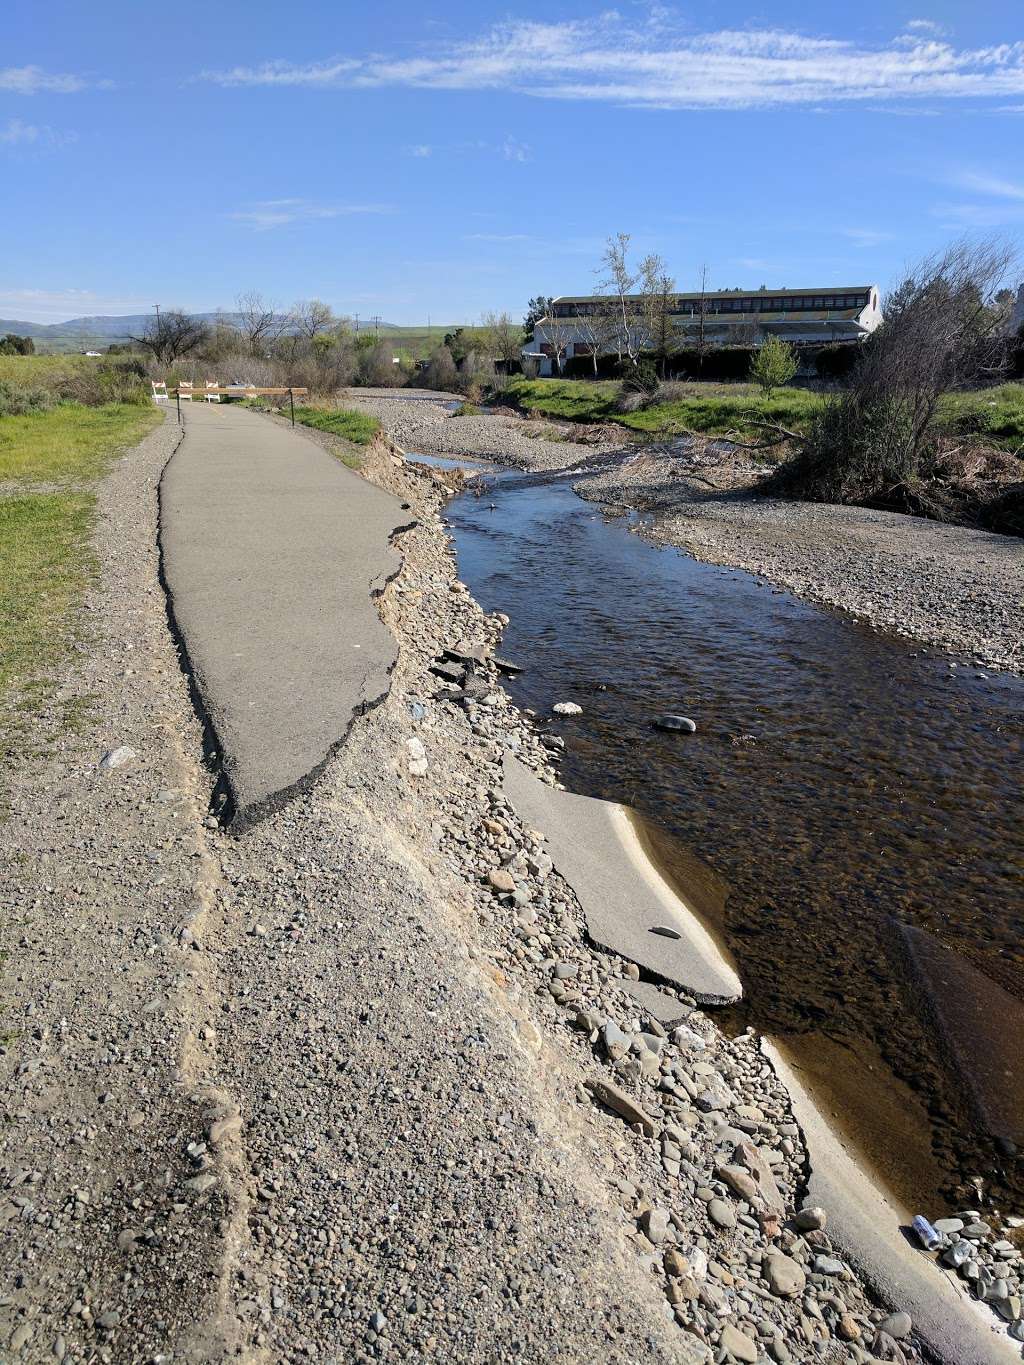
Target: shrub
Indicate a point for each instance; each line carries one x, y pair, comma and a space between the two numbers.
439, 372
773, 365
641, 378
18, 399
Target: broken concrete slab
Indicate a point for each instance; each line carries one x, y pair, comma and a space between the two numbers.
982, 1028
624, 897
657, 1003
867, 1227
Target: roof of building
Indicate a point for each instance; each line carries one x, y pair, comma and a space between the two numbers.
816, 292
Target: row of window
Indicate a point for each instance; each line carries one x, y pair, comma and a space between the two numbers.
744, 303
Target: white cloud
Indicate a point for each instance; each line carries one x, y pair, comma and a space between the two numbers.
422, 149
16, 133
33, 80
660, 65
275, 213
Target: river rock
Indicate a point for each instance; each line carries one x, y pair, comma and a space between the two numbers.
567, 708
723, 1215
116, 758
738, 1344
811, 1219
501, 880
681, 723
896, 1325
785, 1277
654, 1224
620, 1103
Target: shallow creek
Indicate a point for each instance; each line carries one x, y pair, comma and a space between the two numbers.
840, 783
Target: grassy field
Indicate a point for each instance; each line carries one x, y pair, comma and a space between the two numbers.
995, 414
45, 557
36, 369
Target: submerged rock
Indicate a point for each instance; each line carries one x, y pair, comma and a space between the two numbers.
681, 723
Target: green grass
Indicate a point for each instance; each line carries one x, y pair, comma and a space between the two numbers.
36, 369
357, 427
46, 559
996, 415
70, 443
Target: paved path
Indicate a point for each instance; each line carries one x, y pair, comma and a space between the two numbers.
272, 551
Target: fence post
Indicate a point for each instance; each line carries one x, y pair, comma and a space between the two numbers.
177, 396
291, 400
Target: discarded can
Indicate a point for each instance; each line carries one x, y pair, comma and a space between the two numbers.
928, 1237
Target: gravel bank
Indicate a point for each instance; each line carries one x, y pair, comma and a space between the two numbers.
426, 424
958, 589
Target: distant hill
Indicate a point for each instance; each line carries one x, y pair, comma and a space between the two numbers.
96, 333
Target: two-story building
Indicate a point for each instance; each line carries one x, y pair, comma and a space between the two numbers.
581, 325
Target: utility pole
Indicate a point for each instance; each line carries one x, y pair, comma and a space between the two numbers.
157, 307
357, 324
376, 325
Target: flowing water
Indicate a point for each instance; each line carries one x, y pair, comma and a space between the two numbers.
842, 782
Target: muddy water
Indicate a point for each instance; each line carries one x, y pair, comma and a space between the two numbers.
840, 782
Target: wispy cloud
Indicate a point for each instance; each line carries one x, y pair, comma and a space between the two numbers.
995, 186
499, 237
514, 150
16, 133
926, 26
866, 237
33, 80
659, 64
1002, 201
57, 305
275, 213
421, 149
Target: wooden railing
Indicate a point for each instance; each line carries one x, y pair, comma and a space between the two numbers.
243, 391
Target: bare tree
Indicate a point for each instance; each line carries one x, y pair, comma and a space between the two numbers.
559, 333
619, 282
598, 329
656, 290
941, 332
172, 334
502, 337
260, 322
310, 317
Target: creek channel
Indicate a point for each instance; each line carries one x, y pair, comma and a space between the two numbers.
841, 784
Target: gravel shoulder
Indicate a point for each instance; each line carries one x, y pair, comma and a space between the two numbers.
353, 1083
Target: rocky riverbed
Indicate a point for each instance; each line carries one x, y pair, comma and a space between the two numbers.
959, 589
353, 1084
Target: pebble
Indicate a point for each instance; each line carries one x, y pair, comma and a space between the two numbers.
116, 758
784, 1275
811, 1219
501, 880
896, 1325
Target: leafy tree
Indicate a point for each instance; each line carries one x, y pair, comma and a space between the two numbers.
439, 372
458, 344
773, 366
536, 309
12, 344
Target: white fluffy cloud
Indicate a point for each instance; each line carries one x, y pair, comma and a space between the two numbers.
658, 65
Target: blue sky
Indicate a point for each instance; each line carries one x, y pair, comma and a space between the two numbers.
411, 160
